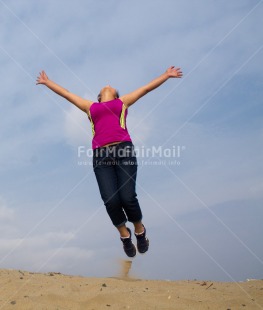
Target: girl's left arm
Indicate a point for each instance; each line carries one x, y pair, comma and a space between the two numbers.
132, 97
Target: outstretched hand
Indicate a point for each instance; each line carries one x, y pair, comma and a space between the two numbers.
174, 72
42, 78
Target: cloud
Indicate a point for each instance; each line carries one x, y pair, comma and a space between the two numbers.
213, 169
6, 213
49, 251
77, 127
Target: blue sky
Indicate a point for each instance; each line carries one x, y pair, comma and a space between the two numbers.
203, 210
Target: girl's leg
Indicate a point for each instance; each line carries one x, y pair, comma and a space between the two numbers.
138, 227
126, 172
123, 231
105, 172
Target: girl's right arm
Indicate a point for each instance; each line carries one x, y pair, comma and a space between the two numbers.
82, 104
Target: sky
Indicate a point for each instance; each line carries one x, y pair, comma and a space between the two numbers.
198, 139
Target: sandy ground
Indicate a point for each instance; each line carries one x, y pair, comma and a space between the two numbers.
55, 291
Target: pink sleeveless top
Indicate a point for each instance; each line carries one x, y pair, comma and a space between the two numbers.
108, 122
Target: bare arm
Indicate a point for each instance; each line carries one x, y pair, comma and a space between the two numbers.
132, 97
82, 104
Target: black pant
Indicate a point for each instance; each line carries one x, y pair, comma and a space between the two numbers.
115, 168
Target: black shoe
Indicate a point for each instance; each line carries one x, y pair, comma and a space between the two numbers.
142, 242
128, 246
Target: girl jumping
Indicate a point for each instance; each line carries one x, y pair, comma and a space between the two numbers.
114, 160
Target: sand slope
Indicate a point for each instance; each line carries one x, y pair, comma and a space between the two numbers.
54, 291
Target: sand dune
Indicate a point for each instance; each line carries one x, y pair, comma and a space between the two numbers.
55, 291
